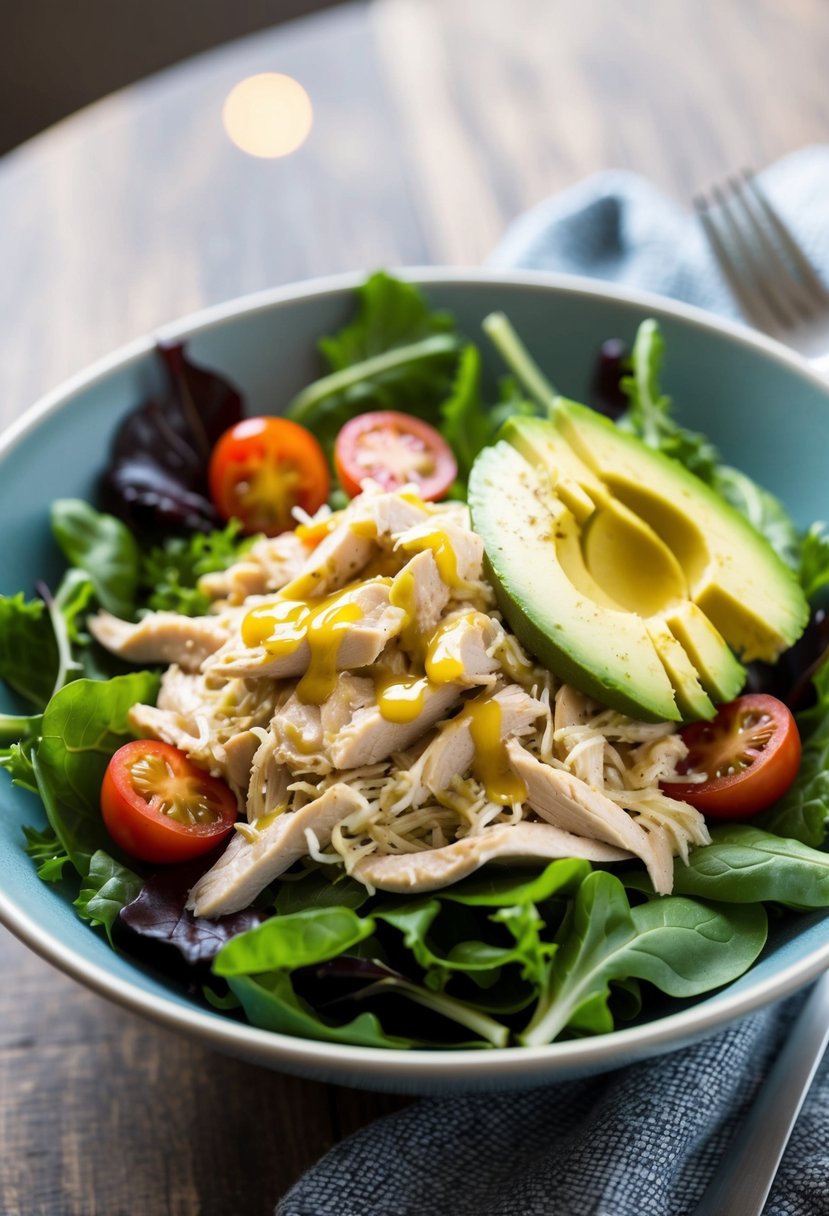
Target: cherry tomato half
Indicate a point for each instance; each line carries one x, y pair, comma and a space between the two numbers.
159, 806
263, 467
394, 450
749, 753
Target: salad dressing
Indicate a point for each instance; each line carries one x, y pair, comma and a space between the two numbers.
438, 541
281, 627
491, 764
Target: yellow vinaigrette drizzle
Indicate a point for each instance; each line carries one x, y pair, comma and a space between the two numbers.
491, 764
322, 623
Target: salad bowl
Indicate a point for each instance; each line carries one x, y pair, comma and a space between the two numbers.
764, 408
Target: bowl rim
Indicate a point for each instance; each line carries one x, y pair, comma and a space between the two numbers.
408, 1069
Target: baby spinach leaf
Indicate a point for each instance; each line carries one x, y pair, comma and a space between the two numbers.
270, 1001
319, 889
297, 940
561, 877
681, 946
108, 886
395, 354
102, 546
746, 865
28, 651
83, 725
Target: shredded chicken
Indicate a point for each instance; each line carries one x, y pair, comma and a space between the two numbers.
360, 693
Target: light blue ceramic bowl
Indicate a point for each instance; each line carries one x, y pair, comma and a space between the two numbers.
767, 412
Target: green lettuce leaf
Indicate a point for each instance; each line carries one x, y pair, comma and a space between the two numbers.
28, 651
108, 886
83, 725
102, 546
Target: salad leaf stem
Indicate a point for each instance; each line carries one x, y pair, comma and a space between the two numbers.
14, 727
307, 401
499, 330
457, 1011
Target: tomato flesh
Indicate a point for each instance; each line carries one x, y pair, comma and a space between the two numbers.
394, 450
748, 755
262, 468
158, 806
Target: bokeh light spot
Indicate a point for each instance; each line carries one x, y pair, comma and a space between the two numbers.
268, 115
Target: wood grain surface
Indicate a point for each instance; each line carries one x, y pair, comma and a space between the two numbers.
436, 123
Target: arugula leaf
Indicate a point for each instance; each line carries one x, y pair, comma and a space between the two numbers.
83, 725
747, 865
649, 417
102, 546
46, 852
108, 886
28, 651
813, 560
467, 423
395, 354
649, 412
17, 761
681, 946
762, 510
171, 571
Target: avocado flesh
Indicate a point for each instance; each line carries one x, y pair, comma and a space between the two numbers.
622, 572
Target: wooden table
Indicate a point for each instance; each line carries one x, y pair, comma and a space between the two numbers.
436, 122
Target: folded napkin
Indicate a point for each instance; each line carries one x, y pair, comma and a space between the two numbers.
644, 1140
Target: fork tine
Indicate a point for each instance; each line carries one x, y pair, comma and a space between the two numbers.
786, 292
738, 270
782, 231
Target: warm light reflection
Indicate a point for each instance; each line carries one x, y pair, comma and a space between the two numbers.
268, 115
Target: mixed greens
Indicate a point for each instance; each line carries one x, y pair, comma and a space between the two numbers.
569, 950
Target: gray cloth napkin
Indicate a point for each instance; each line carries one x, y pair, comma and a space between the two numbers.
642, 1141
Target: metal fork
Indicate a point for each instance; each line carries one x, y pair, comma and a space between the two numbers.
780, 294
771, 278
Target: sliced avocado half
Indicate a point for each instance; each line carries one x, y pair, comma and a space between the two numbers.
622, 572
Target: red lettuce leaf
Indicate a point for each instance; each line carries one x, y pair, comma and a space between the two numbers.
157, 928
157, 477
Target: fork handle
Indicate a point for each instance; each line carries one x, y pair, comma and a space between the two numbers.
742, 1181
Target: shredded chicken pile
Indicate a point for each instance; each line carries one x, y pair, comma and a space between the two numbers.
377, 714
